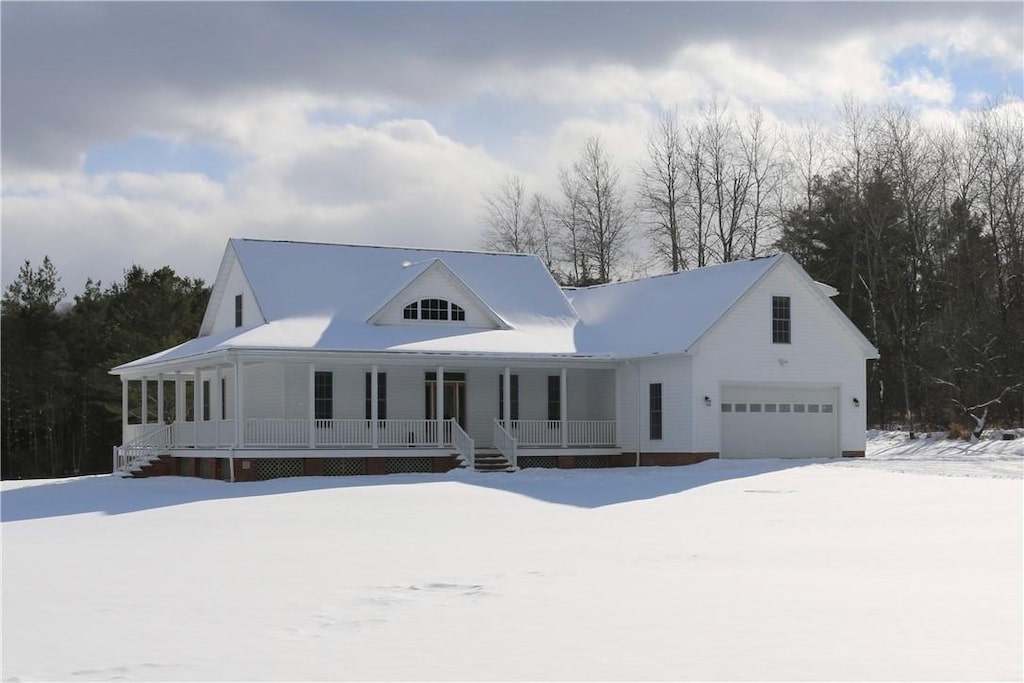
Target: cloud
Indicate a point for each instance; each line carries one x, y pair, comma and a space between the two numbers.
377, 122
400, 182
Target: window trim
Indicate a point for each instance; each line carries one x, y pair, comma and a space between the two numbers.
655, 412
782, 319
554, 398
382, 396
513, 394
206, 400
323, 405
440, 309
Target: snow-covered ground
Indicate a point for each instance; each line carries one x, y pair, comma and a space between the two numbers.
904, 565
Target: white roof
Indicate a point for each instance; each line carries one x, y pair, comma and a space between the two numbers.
324, 297
664, 313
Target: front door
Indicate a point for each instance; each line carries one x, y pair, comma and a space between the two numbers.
454, 397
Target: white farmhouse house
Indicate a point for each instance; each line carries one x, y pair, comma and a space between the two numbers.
342, 359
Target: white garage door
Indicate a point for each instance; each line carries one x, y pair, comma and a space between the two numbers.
779, 422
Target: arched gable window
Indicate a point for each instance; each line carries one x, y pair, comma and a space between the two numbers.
434, 309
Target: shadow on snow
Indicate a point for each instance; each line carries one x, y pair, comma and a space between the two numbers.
577, 488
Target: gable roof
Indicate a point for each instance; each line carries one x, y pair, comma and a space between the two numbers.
664, 313
671, 313
325, 297
438, 266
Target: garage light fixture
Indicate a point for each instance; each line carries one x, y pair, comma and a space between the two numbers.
707, 400
856, 402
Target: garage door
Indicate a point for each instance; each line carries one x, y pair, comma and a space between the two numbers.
779, 422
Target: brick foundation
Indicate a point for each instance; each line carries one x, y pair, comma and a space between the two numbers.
853, 454
660, 459
376, 466
443, 463
566, 462
245, 470
313, 467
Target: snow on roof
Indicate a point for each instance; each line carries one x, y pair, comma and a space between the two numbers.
322, 296
664, 313
351, 282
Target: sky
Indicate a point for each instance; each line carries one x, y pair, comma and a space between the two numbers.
150, 133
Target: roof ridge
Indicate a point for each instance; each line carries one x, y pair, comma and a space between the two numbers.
671, 274
385, 246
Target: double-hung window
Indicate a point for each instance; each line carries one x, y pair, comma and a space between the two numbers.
206, 400
654, 411
513, 393
781, 320
554, 397
323, 395
382, 396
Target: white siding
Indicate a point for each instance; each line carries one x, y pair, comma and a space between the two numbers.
674, 374
739, 351
435, 283
262, 386
224, 316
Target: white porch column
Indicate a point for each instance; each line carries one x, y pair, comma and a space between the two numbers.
239, 398
374, 413
160, 399
312, 405
439, 404
124, 410
197, 405
145, 401
506, 399
217, 401
563, 406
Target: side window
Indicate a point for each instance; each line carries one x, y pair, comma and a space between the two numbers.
554, 397
781, 320
654, 408
513, 392
382, 396
323, 395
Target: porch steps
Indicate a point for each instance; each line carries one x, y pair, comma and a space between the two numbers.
491, 460
152, 466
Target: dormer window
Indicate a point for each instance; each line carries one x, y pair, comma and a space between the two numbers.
434, 309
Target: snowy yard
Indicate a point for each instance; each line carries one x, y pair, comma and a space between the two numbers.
904, 565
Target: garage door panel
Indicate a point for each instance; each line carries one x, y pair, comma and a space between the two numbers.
778, 422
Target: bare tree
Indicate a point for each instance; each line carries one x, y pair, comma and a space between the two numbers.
760, 143
509, 220
662, 189
697, 214
729, 177
602, 208
571, 235
808, 152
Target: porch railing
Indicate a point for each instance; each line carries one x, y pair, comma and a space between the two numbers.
592, 433
505, 443
344, 432
411, 433
541, 433
149, 443
277, 432
462, 442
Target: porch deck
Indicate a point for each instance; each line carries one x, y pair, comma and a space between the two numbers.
358, 438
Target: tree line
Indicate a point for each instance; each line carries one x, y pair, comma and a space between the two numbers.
61, 409
920, 227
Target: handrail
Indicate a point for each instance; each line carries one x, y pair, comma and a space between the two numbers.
140, 448
463, 443
505, 443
